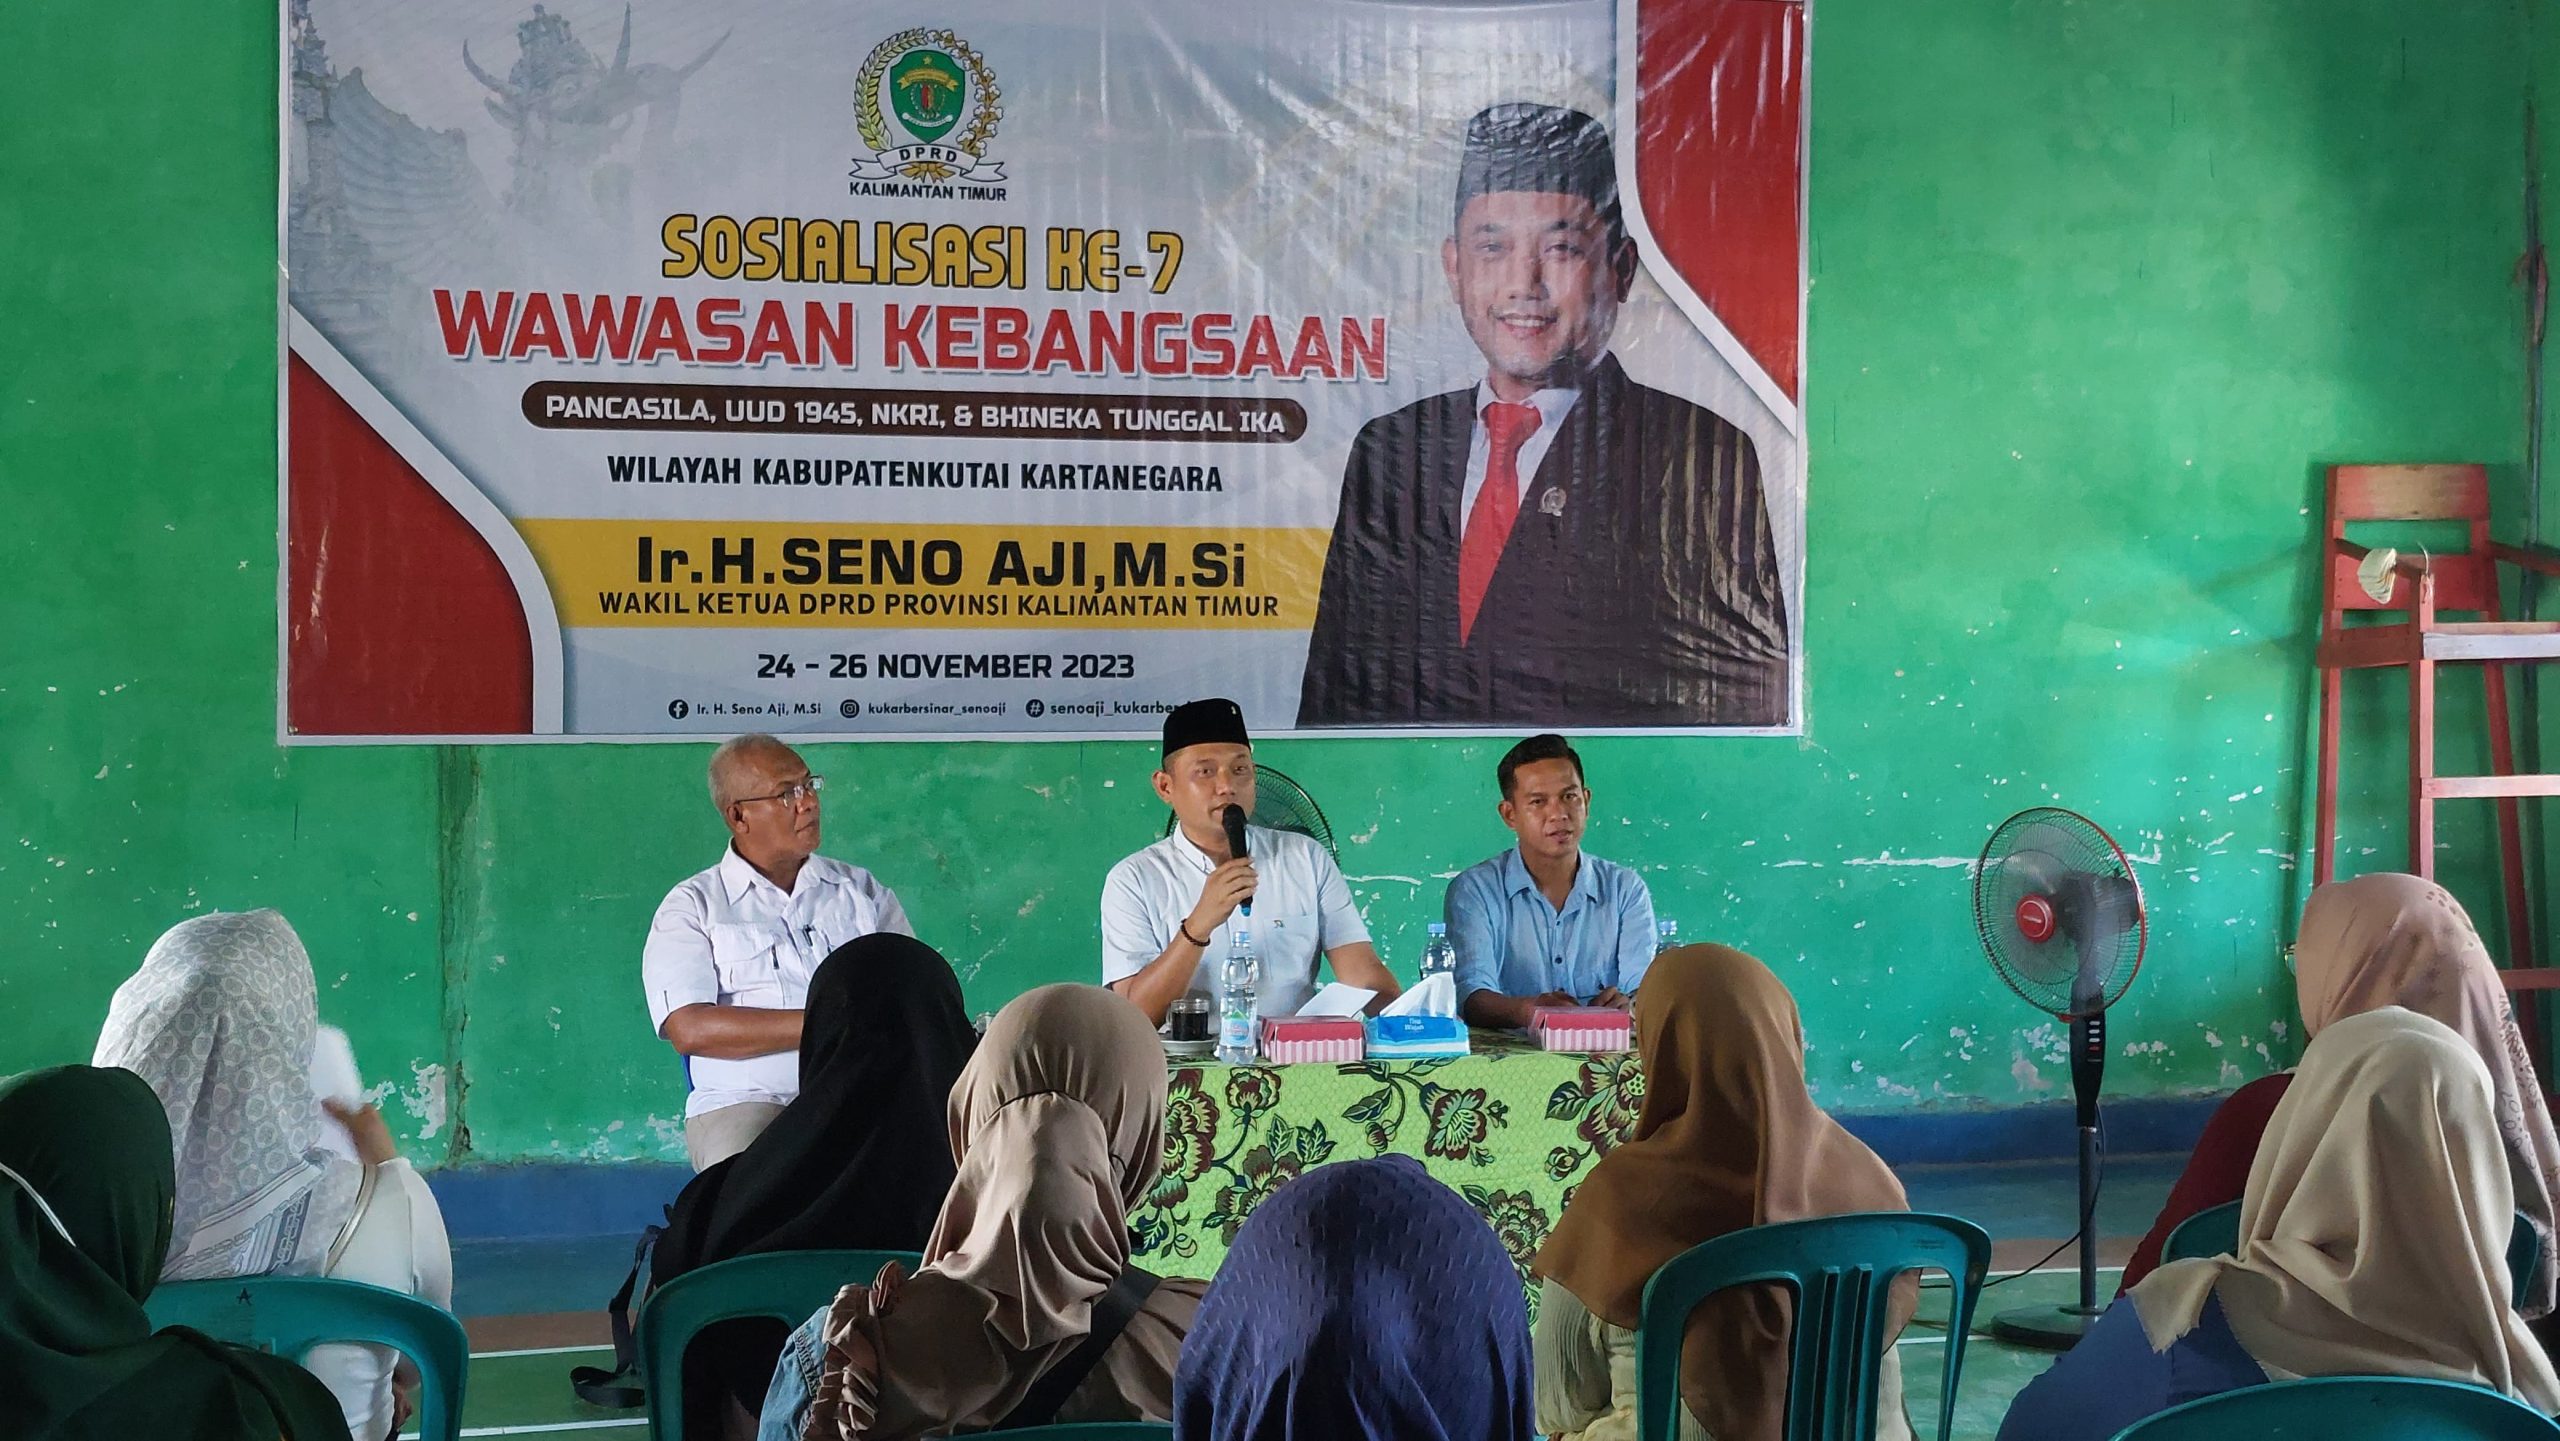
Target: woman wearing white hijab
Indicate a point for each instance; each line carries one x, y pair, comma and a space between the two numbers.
2372, 1243
222, 1021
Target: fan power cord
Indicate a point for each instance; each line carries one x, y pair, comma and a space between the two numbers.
2096, 1191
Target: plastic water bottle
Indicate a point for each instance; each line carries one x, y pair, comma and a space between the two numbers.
1241, 985
1666, 936
1439, 958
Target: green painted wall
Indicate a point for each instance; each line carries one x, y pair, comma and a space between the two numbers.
2097, 288
2542, 200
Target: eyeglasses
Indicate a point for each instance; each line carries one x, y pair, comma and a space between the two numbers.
791, 795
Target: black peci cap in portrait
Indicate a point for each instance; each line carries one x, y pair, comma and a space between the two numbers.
1200, 722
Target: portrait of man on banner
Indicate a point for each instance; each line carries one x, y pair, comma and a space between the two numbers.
1551, 544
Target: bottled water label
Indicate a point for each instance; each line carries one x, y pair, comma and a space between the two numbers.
1239, 986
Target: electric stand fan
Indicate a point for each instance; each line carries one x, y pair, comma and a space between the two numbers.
2060, 916
1281, 804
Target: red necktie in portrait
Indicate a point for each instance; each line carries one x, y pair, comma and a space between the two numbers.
1507, 427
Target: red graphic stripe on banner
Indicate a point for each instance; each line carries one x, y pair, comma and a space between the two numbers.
403, 621
1719, 162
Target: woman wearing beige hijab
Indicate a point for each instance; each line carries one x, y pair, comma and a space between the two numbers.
2375, 941
1728, 1138
1057, 1130
2372, 1238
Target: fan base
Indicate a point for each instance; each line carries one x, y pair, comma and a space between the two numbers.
2050, 1328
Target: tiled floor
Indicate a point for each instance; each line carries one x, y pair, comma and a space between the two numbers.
524, 1301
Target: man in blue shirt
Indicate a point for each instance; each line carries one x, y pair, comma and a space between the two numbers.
1542, 924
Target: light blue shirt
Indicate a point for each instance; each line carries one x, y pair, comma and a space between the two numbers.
1512, 942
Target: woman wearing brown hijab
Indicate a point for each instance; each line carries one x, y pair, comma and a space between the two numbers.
2376, 941
1728, 1138
1057, 1129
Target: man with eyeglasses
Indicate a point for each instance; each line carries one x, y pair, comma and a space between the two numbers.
1544, 924
730, 953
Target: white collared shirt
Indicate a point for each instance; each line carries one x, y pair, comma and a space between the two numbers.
732, 938
1552, 405
1301, 909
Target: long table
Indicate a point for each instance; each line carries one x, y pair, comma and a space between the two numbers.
1511, 1128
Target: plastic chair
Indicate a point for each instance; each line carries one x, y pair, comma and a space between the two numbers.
785, 1285
2215, 1231
288, 1315
2349, 1408
1841, 1269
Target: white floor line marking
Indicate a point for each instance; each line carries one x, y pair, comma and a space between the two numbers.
540, 1351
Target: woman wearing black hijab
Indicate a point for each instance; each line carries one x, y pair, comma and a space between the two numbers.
88, 1186
860, 1160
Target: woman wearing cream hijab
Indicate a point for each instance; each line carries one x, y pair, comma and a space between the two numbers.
1057, 1129
1728, 1138
2372, 1238
2375, 941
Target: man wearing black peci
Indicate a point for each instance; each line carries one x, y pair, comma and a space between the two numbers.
1169, 910
1556, 544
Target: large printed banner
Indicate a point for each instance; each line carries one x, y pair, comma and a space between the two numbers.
981, 368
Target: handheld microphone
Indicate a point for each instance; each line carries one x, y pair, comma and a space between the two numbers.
1233, 818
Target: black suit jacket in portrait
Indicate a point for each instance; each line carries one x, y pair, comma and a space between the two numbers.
1639, 586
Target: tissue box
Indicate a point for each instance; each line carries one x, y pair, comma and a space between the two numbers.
1407, 1037
1293, 1040
1582, 1028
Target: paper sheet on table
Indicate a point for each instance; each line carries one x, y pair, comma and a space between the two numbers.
1337, 999
333, 1068
1437, 996
334, 1078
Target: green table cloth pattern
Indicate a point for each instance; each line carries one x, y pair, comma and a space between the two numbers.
1511, 1128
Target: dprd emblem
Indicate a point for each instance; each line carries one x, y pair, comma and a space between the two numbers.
926, 105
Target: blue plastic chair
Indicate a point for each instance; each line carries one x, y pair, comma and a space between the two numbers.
2349, 1408
1841, 1270
2215, 1231
785, 1285
288, 1315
